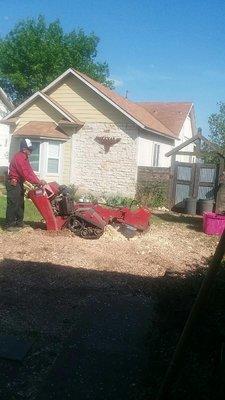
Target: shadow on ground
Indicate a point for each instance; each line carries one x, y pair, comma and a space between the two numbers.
105, 335
192, 222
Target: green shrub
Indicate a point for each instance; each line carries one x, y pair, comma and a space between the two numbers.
153, 194
72, 192
119, 201
110, 201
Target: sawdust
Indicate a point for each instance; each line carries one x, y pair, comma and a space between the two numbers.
165, 246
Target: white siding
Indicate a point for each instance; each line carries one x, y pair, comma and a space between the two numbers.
4, 138
185, 134
146, 150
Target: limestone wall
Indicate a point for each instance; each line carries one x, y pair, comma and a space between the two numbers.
101, 168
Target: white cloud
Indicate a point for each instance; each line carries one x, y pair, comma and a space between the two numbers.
6, 17
118, 82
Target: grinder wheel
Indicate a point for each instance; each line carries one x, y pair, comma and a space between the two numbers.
83, 228
75, 225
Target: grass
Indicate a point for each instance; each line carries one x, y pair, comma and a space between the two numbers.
31, 213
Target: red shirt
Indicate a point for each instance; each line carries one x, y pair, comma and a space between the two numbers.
21, 170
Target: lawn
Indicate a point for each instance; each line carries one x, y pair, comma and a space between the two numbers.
31, 213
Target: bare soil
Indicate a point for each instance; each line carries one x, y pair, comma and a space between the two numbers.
172, 243
45, 276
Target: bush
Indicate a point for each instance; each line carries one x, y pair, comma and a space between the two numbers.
119, 201
152, 194
72, 192
108, 200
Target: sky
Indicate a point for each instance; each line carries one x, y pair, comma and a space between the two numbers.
157, 50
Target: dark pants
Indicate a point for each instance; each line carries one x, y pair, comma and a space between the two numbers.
15, 204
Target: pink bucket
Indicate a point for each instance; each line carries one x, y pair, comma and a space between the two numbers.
213, 224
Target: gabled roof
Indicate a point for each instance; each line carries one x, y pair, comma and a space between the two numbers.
6, 100
41, 129
133, 111
66, 114
164, 119
170, 114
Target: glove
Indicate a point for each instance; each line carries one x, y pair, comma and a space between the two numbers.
42, 183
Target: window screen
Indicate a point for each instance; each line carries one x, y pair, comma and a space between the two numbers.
35, 156
156, 150
53, 157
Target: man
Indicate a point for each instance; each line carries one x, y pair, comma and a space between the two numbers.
19, 171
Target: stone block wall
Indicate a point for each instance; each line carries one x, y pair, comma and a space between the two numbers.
153, 177
101, 168
152, 174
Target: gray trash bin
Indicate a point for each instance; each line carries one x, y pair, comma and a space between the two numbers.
190, 205
205, 205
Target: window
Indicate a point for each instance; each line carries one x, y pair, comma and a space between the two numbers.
156, 150
35, 156
53, 157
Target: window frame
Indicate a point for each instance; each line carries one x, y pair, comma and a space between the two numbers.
156, 153
39, 160
53, 158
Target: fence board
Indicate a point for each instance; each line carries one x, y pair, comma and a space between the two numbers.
193, 180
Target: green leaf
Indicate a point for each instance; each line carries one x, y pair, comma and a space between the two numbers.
34, 53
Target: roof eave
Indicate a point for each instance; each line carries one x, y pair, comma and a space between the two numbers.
68, 123
10, 121
161, 133
6, 100
77, 75
30, 100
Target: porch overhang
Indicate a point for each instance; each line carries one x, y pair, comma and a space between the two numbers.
38, 129
10, 121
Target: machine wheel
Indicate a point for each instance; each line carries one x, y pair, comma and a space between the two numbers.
97, 232
90, 232
75, 225
83, 229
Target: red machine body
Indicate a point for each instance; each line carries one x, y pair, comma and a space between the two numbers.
84, 219
42, 200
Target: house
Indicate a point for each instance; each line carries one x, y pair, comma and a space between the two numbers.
86, 134
5, 106
180, 119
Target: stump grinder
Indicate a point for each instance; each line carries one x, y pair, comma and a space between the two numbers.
87, 220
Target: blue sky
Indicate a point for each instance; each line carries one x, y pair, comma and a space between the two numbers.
165, 50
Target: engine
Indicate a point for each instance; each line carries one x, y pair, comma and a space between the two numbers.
62, 203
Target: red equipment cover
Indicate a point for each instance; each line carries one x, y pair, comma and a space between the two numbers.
41, 199
94, 213
138, 219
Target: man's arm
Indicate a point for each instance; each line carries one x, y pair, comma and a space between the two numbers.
28, 173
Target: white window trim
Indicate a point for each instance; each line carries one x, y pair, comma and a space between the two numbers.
153, 154
43, 159
39, 164
58, 158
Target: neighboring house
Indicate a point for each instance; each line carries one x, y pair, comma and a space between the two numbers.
5, 106
180, 119
88, 135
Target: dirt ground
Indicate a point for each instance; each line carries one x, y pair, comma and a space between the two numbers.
172, 243
45, 276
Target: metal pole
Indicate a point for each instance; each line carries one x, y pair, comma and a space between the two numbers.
198, 305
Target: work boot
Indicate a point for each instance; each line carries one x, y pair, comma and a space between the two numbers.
13, 228
22, 225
